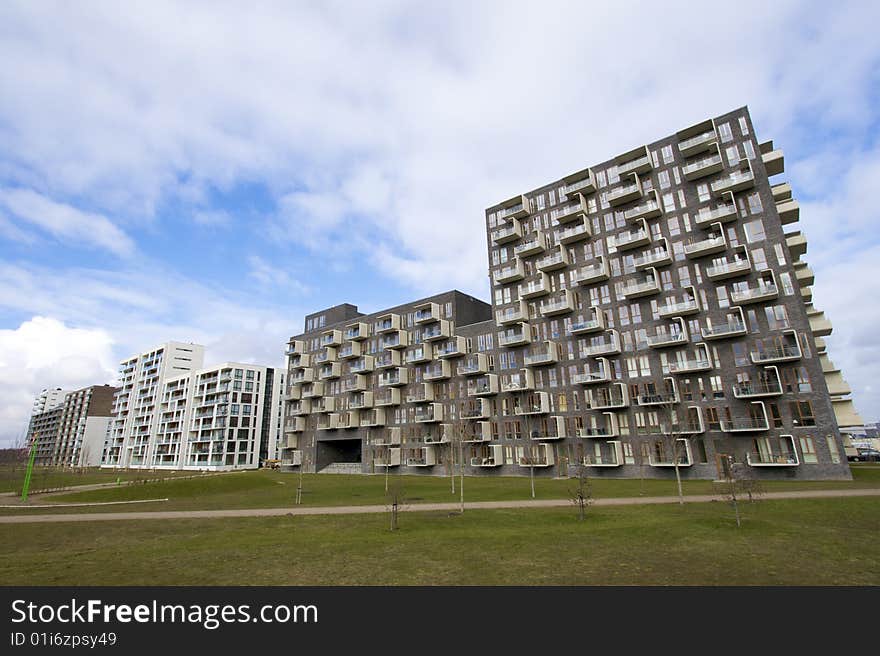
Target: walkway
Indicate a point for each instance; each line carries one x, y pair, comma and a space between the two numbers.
420, 507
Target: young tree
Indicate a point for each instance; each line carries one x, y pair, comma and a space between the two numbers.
728, 487
581, 494
671, 427
395, 501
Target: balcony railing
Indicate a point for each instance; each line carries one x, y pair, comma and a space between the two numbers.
667, 339
509, 273
679, 307
632, 239
689, 365
653, 257
755, 389
587, 185
724, 330
592, 273
624, 193
658, 398
734, 182
514, 338
720, 213
754, 294
573, 233
507, 233
703, 167
567, 213
728, 269
638, 288
708, 246
646, 210
695, 144
744, 424
778, 354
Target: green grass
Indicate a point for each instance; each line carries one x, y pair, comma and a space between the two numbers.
797, 542
54, 478
272, 489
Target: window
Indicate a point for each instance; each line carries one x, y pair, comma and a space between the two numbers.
801, 413
663, 176
732, 155
725, 132
666, 152
743, 126
668, 202
755, 205
723, 300
754, 231
750, 149
832, 449
759, 259
703, 192
672, 224
808, 448
787, 287
777, 317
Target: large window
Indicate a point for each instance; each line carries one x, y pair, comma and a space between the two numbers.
801, 413
755, 231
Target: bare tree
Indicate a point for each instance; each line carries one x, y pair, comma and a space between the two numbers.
459, 427
671, 430
582, 493
728, 487
395, 501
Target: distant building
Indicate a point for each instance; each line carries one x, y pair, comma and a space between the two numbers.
71, 433
47, 399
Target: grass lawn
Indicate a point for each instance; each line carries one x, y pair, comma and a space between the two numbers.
797, 542
272, 489
56, 478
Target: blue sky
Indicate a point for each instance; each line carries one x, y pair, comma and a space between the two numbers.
213, 171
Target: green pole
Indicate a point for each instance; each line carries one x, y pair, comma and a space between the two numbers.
30, 469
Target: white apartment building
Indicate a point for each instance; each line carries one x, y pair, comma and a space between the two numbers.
48, 399
131, 436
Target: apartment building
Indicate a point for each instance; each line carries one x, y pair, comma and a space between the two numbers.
48, 398
71, 433
648, 311
131, 437
219, 418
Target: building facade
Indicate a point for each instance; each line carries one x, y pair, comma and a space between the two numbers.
71, 433
48, 398
650, 311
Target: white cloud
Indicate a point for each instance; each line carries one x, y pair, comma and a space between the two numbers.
65, 222
44, 352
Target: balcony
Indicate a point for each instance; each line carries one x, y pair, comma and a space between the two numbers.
507, 234
601, 428
398, 339
537, 403
436, 331
608, 455
372, 418
295, 347
522, 381
680, 457
613, 397
419, 354
295, 424
561, 303
473, 365
426, 313
744, 425
757, 389
685, 365
592, 273
703, 167
485, 385
602, 374
765, 291
312, 390
493, 456
362, 365
719, 214
361, 400
516, 314
537, 455
582, 182
610, 346
774, 162
665, 339
429, 413
353, 383
299, 408
420, 393
625, 193
331, 338
515, 337
769, 459
658, 398
388, 359
780, 352
357, 332
328, 422
819, 325
387, 457
637, 160
302, 377
387, 396
660, 255
554, 429
387, 323
574, 233
575, 211
454, 347
384, 437
670, 307
324, 405
423, 457
509, 273
535, 288
732, 328
300, 361
736, 181
477, 409
394, 377
789, 211
542, 354
640, 287
554, 261
535, 244
595, 323
350, 350
327, 355
709, 246
513, 208
729, 267
329, 371
698, 143
650, 209
633, 239
440, 370
480, 431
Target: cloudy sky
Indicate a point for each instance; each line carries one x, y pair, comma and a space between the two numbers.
212, 171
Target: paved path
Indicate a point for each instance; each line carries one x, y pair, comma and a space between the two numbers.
417, 507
